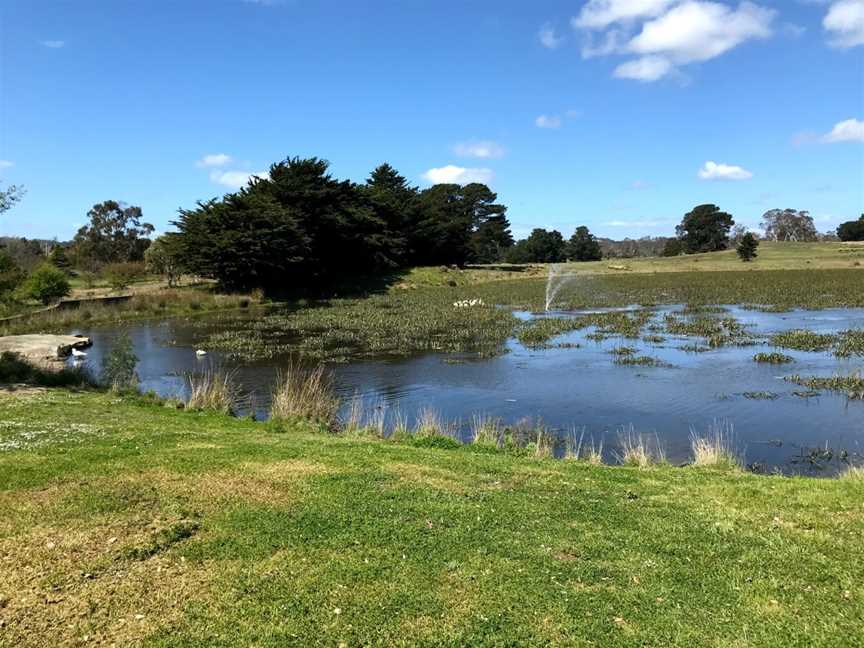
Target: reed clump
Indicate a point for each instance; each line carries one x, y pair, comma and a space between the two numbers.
576, 449
717, 447
635, 449
302, 392
487, 430
213, 389
853, 473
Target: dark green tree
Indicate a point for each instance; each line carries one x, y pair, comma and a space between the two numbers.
705, 229
747, 247
11, 275
583, 246
541, 246
673, 247
852, 230
59, 259
115, 234
390, 197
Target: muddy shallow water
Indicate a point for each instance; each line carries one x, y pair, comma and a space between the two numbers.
578, 386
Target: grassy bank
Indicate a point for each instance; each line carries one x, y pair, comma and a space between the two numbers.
137, 524
159, 302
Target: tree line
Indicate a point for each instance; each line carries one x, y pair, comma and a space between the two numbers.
301, 228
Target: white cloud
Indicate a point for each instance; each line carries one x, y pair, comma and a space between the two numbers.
844, 23
482, 149
672, 33
714, 171
452, 174
214, 160
850, 130
548, 121
599, 14
236, 179
548, 38
5, 164
53, 44
646, 69
698, 31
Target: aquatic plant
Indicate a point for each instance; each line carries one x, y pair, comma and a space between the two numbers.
803, 340
773, 358
303, 392
852, 385
850, 343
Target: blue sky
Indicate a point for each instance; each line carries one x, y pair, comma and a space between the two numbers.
617, 114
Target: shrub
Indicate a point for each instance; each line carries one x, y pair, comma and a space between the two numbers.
118, 367
120, 275
747, 247
11, 275
46, 284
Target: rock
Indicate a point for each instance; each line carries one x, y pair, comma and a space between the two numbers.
37, 348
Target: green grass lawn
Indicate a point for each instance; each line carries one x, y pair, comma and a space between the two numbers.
135, 524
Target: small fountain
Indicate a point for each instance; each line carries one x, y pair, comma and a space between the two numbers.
555, 281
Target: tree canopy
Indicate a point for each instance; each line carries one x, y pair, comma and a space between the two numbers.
115, 234
747, 246
541, 246
583, 246
301, 227
788, 225
705, 229
852, 230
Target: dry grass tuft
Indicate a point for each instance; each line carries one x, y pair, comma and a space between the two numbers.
853, 473
575, 448
213, 389
305, 393
486, 430
638, 450
717, 448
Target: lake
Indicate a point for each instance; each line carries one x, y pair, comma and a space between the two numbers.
574, 384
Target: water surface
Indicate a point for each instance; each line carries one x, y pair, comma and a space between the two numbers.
574, 387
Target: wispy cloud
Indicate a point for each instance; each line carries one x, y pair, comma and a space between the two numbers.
548, 38
236, 179
636, 224
452, 174
844, 23
713, 171
481, 149
214, 160
548, 121
850, 130
53, 44
5, 164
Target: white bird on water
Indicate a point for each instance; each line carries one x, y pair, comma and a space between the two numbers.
78, 354
200, 352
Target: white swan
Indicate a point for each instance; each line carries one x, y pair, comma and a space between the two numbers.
200, 352
78, 354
